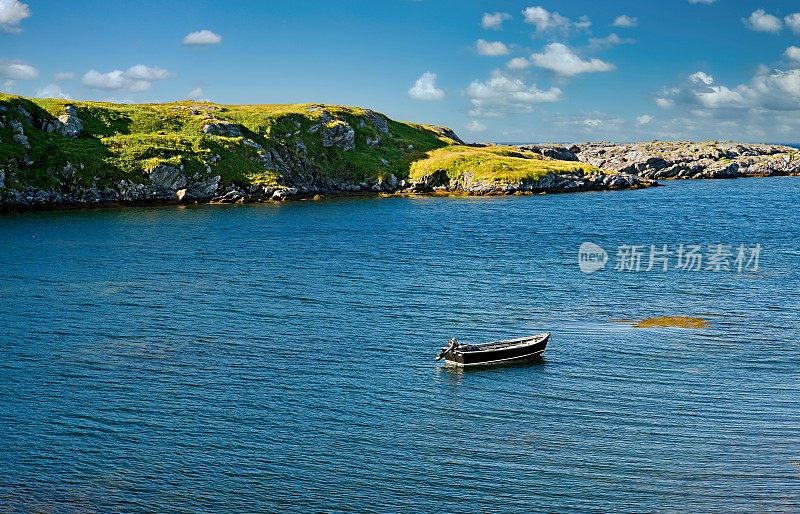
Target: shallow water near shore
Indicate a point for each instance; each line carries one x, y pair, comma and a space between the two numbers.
280, 357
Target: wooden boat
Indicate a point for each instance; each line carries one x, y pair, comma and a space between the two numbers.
496, 352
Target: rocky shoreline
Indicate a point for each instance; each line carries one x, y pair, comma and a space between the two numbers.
312, 139
210, 192
56, 155
662, 160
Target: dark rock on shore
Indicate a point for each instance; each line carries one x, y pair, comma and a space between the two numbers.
439, 181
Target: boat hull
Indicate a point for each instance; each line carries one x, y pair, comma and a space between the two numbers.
499, 355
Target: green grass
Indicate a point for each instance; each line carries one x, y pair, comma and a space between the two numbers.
494, 164
126, 141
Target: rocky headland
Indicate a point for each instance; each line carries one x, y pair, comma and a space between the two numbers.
57, 154
60, 154
660, 160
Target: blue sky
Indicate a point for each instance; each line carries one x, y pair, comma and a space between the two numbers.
503, 70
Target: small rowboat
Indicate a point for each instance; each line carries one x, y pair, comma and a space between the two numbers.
496, 352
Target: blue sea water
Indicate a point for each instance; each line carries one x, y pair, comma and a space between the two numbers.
280, 357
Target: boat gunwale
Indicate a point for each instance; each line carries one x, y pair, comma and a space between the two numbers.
498, 361
523, 341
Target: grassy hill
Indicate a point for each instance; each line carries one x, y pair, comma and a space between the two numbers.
59, 151
123, 141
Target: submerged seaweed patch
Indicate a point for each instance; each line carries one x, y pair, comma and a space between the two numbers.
672, 322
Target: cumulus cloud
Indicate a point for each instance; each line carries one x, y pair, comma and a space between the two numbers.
494, 21
644, 119
111, 80
793, 53
16, 70
502, 94
601, 43
547, 22
664, 103
8, 85
720, 96
701, 76
425, 88
624, 21
793, 22
142, 72
518, 63
702, 1
12, 12
772, 90
760, 21
561, 60
202, 37
475, 126
195, 93
63, 75
52, 91
491, 48
135, 79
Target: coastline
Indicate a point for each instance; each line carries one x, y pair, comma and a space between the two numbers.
47, 201
59, 154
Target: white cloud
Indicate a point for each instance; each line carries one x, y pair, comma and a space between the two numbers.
136, 79
601, 43
707, 2
793, 22
769, 90
494, 21
475, 126
8, 85
644, 119
720, 96
592, 122
202, 37
701, 76
552, 22
624, 21
502, 94
142, 72
16, 70
63, 75
425, 88
111, 80
776, 90
664, 103
52, 91
760, 21
559, 59
195, 93
12, 12
518, 63
491, 48
793, 53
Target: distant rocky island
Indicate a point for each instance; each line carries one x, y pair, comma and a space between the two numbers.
59, 154
681, 159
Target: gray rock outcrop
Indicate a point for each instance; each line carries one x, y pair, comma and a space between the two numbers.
222, 128
554, 152
168, 178
68, 124
19, 134
684, 160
